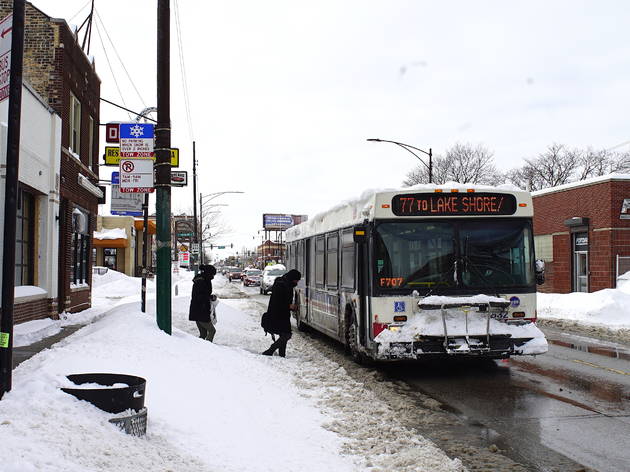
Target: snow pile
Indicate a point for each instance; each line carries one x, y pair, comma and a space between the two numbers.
25, 334
211, 407
609, 308
111, 233
114, 285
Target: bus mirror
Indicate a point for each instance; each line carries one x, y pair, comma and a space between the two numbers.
540, 272
359, 234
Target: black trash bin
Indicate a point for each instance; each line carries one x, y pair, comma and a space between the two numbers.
112, 400
115, 399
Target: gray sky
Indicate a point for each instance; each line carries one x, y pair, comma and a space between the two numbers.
283, 94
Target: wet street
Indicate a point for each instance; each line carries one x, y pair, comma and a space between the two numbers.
566, 410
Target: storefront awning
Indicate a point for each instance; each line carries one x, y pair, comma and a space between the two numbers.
118, 243
139, 225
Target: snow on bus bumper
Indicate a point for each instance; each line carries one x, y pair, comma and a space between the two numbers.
424, 339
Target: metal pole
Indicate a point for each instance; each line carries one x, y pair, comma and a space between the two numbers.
10, 201
163, 169
145, 243
430, 166
196, 229
201, 254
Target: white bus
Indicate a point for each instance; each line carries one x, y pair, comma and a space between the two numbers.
425, 271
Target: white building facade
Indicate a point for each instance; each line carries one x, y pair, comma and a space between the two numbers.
37, 222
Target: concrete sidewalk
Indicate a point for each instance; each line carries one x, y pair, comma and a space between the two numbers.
20, 354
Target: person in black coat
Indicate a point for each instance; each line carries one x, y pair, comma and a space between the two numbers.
200, 303
279, 311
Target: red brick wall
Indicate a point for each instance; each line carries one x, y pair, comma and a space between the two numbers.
601, 204
34, 310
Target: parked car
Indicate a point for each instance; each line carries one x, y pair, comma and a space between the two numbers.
252, 277
234, 273
270, 274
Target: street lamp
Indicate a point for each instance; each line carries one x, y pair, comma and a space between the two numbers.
406, 148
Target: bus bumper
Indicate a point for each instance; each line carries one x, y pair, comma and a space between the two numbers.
492, 347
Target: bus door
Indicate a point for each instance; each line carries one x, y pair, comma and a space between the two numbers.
361, 238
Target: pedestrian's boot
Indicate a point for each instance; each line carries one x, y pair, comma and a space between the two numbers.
282, 352
268, 352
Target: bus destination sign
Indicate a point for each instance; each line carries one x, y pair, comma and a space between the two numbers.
453, 204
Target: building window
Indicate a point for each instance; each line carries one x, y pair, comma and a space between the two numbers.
109, 258
91, 152
25, 239
75, 125
80, 247
332, 241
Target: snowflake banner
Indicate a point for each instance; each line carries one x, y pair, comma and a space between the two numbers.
136, 140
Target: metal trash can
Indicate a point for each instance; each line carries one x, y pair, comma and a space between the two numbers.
115, 399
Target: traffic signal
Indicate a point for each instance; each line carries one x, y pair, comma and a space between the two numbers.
231, 245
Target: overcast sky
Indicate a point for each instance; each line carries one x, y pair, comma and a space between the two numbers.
283, 94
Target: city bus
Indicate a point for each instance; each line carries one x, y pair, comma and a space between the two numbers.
431, 270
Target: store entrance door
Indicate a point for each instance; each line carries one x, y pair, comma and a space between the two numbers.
580, 262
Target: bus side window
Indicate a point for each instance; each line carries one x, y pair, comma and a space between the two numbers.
320, 255
332, 244
300, 256
347, 259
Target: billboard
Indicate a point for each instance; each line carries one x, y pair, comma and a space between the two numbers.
280, 222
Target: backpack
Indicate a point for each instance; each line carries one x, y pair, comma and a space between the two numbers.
265, 321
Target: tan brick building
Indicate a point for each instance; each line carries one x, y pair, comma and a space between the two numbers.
582, 232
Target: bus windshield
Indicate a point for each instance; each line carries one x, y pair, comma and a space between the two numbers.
485, 255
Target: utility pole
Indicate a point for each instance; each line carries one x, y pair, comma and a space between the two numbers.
163, 168
196, 229
145, 249
10, 201
201, 255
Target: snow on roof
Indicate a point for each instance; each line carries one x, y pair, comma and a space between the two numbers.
354, 211
581, 183
111, 233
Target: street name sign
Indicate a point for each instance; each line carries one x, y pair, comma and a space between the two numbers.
136, 175
136, 139
112, 156
6, 28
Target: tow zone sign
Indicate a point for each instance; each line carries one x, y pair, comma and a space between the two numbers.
136, 175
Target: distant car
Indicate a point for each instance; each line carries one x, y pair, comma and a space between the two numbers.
252, 277
235, 274
269, 275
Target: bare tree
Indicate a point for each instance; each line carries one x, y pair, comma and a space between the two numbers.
463, 163
559, 165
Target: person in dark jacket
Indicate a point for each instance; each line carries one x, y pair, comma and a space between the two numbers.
201, 302
279, 311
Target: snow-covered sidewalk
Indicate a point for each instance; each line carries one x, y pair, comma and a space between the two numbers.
214, 407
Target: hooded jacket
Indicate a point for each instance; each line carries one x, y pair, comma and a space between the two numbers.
281, 298
201, 297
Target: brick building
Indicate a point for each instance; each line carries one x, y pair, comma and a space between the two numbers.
582, 232
61, 73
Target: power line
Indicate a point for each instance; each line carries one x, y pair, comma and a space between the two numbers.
100, 37
182, 65
79, 12
119, 59
625, 143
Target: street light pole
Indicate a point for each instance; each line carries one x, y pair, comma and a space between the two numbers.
406, 148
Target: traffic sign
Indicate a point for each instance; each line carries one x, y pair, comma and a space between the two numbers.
6, 26
136, 139
112, 132
136, 175
112, 156
125, 204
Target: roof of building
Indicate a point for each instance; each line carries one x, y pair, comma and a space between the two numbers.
581, 183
